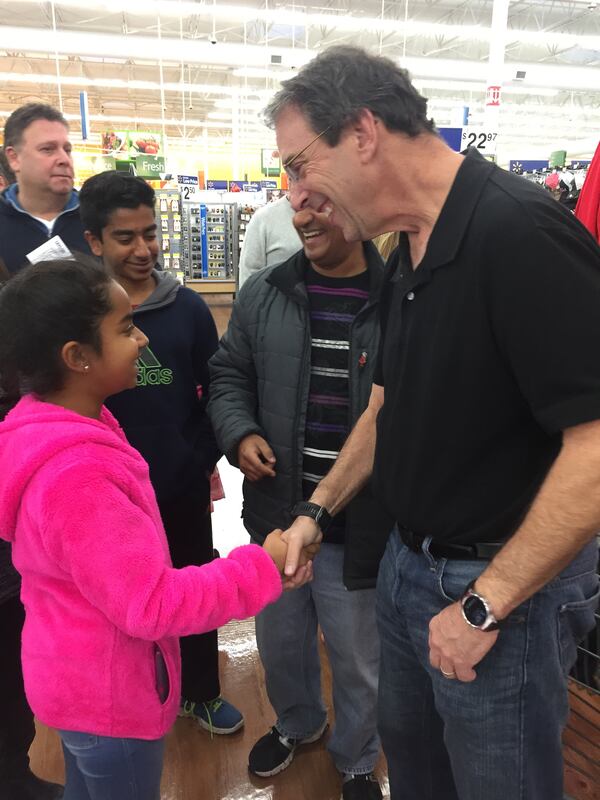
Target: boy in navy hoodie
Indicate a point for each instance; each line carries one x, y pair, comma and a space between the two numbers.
164, 416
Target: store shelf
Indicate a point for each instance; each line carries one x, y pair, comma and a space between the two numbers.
212, 286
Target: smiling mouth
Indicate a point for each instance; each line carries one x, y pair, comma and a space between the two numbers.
308, 235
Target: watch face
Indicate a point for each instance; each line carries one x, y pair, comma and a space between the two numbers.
475, 611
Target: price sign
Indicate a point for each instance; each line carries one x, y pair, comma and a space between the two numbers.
484, 140
188, 185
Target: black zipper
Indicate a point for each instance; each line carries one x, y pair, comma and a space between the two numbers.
296, 485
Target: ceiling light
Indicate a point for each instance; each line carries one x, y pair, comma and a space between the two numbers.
119, 83
341, 21
264, 72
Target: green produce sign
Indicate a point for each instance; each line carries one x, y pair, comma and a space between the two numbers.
149, 166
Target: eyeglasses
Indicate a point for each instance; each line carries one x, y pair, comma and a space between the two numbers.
293, 174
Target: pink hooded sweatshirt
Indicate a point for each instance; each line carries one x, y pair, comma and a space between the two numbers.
104, 607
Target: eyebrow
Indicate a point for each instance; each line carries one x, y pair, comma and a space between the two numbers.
54, 142
129, 232
126, 318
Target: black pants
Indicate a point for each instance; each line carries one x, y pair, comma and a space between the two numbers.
189, 531
17, 729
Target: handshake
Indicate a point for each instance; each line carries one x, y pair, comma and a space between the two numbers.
292, 557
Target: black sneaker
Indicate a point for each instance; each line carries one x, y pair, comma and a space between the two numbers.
274, 752
361, 787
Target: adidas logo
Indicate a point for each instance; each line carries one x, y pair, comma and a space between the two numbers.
151, 372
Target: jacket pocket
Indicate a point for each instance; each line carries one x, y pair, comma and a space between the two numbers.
161, 675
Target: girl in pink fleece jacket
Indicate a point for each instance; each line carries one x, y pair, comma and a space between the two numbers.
104, 607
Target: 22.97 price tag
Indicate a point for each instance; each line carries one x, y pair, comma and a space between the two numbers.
484, 140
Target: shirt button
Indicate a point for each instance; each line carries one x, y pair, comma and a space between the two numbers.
410, 296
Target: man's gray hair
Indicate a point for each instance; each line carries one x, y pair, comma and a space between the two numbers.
332, 90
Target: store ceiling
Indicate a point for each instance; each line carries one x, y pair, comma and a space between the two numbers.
218, 62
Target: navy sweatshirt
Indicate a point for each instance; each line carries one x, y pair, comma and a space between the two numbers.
20, 233
164, 417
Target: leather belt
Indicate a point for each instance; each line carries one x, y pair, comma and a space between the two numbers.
478, 550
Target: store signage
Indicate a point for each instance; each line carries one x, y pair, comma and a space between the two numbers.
236, 186
492, 95
558, 158
130, 144
149, 166
253, 186
452, 137
188, 180
519, 166
483, 139
268, 184
216, 186
270, 162
189, 185
85, 115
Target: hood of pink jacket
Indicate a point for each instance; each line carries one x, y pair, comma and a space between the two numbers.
24, 447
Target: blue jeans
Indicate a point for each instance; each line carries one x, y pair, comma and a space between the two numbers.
103, 768
499, 737
286, 633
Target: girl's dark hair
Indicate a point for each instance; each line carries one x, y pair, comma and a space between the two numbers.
42, 308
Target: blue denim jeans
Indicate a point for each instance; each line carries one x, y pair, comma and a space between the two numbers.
286, 634
499, 737
103, 768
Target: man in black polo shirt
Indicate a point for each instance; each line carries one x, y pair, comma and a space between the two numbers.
482, 432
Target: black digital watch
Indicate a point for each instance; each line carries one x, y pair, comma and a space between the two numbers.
319, 513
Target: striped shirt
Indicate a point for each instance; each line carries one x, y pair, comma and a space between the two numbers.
334, 303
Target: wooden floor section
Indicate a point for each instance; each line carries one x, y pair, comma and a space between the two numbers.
581, 744
200, 768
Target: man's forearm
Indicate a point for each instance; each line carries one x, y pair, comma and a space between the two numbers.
353, 466
563, 518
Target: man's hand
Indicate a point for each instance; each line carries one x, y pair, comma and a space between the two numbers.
255, 457
455, 647
277, 548
302, 533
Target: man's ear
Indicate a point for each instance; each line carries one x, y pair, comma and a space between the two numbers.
12, 156
95, 244
366, 129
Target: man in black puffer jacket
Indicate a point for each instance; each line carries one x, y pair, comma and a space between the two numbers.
291, 376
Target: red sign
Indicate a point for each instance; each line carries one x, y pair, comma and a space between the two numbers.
493, 96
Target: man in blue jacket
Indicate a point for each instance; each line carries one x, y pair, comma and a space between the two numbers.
42, 204
36, 206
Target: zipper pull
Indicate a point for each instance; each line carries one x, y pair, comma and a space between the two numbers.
362, 359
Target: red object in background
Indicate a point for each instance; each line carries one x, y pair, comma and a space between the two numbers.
587, 209
493, 95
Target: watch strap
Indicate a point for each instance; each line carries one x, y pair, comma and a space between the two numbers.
321, 516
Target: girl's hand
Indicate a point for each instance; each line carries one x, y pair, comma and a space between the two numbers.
276, 547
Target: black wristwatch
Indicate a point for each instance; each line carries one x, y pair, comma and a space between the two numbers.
476, 610
320, 514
